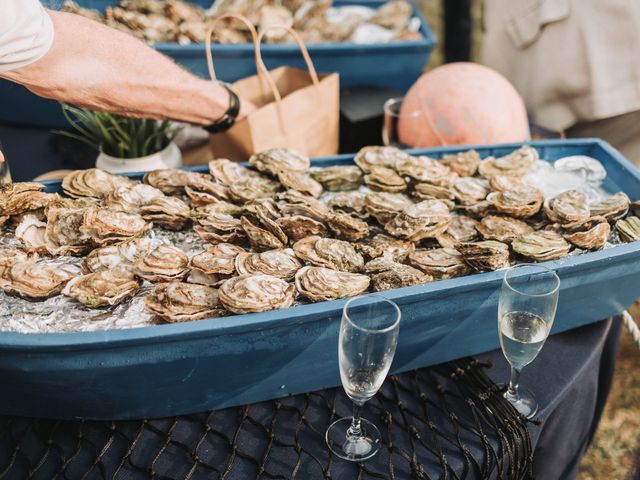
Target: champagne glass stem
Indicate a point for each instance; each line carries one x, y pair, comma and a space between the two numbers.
512, 391
355, 430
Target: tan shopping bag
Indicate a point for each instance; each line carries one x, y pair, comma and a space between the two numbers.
296, 109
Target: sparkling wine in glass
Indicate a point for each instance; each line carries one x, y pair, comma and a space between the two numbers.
526, 311
366, 346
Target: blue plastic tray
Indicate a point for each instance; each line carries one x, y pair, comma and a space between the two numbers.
396, 65
181, 368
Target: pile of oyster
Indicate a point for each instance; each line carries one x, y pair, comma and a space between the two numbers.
317, 21
279, 231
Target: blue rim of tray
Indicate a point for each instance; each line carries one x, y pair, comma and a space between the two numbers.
165, 333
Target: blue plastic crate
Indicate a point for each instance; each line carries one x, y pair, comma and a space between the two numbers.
396, 65
188, 367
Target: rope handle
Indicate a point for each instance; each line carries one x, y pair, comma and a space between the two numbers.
632, 326
214, 23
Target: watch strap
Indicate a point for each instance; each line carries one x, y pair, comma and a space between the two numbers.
227, 120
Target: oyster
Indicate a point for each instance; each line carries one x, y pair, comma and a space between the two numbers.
516, 163
369, 157
318, 283
567, 207
110, 287
269, 238
504, 183
541, 245
11, 255
612, 208
440, 263
256, 293
338, 178
427, 191
276, 160
253, 188
227, 172
104, 226
398, 276
629, 228
469, 191
426, 219
591, 234
216, 225
33, 280
162, 264
121, 255
464, 164
523, 202
129, 198
346, 227
272, 16
92, 182
301, 182
460, 229
384, 179
330, 253
63, 235
32, 233
182, 302
296, 227
502, 228
393, 15
485, 255
172, 181
278, 263
382, 245
22, 197
167, 212
384, 206
426, 170
217, 259
352, 203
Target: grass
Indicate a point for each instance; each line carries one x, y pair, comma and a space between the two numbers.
615, 451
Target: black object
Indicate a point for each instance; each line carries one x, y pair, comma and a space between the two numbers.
361, 116
229, 118
457, 30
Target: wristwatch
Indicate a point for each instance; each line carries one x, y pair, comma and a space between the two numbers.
227, 120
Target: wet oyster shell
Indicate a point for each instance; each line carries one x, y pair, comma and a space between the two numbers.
440, 263
330, 253
212, 235
227, 172
92, 182
523, 202
278, 263
105, 226
629, 228
172, 181
382, 245
253, 188
110, 287
219, 258
369, 157
384, 206
183, 302
129, 198
464, 164
318, 283
469, 191
167, 212
504, 183
591, 234
122, 255
11, 255
256, 293
485, 255
32, 280
383, 179
517, 163
398, 276
63, 232
426, 219
162, 264
567, 207
301, 182
346, 227
426, 191
260, 238
612, 208
426, 170
541, 245
297, 227
22, 197
352, 203
32, 233
338, 178
276, 160
502, 228
460, 229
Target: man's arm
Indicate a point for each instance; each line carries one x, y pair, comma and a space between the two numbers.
100, 68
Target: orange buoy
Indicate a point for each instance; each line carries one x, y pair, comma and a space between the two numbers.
462, 103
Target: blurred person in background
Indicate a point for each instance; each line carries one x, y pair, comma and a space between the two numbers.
575, 63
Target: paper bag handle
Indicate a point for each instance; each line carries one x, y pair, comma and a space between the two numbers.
248, 24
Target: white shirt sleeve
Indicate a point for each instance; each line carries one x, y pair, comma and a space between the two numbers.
26, 33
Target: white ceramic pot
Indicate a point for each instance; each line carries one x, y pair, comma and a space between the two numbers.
170, 157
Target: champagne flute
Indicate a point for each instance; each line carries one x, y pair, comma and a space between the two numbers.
367, 344
526, 311
393, 116
5, 174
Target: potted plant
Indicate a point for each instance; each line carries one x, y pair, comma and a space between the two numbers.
124, 144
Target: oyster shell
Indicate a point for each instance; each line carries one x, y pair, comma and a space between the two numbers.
338, 178
277, 160
63, 235
256, 293
460, 229
502, 228
278, 263
629, 228
591, 234
121, 255
541, 245
296, 227
612, 208
92, 182
352, 203
346, 227
172, 181
264, 239
384, 206
485, 255
129, 198
319, 283
385, 179
427, 191
426, 219
369, 157
523, 202
440, 263
11, 255
32, 233
517, 163
22, 197
330, 253
183, 302
394, 15
504, 183
398, 276
227, 172
253, 188
426, 170
464, 164
110, 287
104, 226
469, 191
218, 258
162, 264
567, 207
382, 245
300, 182
36, 281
